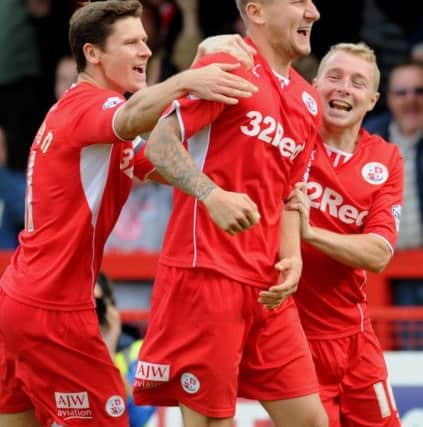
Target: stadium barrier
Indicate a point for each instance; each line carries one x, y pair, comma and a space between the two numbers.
397, 327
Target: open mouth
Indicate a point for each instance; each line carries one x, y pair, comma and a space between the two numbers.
340, 105
303, 31
139, 69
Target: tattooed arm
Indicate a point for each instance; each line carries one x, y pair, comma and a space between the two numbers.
232, 212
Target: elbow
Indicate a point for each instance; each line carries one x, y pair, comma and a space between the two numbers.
379, 263
148, 151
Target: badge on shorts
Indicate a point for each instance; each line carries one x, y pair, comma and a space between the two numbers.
190, 383
115, 406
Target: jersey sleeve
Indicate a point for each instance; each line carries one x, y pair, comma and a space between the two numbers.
384, 216
142, 166
193, 113
95, 123
303, 163
312, 121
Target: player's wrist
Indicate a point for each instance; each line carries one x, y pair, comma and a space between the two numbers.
309, 234
206, 192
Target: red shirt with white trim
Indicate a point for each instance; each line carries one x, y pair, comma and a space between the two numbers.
78, 178
260, 146
360, 195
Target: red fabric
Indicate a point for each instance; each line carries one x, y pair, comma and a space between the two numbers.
79, 176
50, 360
354, 386
260, 147
363, 195
212, 329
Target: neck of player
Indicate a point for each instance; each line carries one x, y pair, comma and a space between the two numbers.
344, 139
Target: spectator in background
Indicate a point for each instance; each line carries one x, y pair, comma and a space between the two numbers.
12, 199
21, 106
417, 52
66, 75
403, 125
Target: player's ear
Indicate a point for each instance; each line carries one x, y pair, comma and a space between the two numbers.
373, 101
254, 12
92, 53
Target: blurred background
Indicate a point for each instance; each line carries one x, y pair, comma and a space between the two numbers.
36, 69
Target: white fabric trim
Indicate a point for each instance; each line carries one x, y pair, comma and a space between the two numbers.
385, 240
198, 146
113, 123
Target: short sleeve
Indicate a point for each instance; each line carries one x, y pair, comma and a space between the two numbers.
95, 118
142, 166
384, 216
193, 113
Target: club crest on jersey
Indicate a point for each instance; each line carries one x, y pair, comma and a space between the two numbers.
396, 213
112, 102
310, 103
115, 406
190, 383
375, 173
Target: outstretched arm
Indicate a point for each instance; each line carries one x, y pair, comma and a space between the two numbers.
214, 82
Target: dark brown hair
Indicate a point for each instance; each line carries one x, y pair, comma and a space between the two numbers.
93, 23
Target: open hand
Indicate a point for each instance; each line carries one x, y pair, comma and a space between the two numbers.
215, 82
290, 272
233, 44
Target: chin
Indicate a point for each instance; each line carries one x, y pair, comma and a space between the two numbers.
137, 86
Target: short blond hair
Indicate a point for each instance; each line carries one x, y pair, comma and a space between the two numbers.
240, 4
360, 50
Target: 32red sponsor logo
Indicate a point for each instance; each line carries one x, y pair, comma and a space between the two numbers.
330, 201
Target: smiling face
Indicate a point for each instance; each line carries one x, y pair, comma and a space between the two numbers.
286, 24
347, 84
121, 63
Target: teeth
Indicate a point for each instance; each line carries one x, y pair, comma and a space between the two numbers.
340, 105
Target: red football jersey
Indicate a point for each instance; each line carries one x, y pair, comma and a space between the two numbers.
260, 146
78, 178
362, 195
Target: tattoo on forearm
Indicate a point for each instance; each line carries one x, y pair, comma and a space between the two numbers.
175, 164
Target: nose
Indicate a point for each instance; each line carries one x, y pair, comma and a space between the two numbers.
312, 12
145, 51
343, 85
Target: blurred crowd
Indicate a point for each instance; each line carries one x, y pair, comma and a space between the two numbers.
36, 69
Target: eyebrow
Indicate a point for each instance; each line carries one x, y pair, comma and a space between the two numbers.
354, 75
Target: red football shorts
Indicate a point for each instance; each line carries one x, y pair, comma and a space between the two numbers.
209, 340
353, 378
57, 363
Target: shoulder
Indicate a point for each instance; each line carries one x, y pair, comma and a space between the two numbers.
223, 58
307, 93
94, 94
382, 148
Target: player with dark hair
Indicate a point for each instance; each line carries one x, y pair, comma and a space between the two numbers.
79, 174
